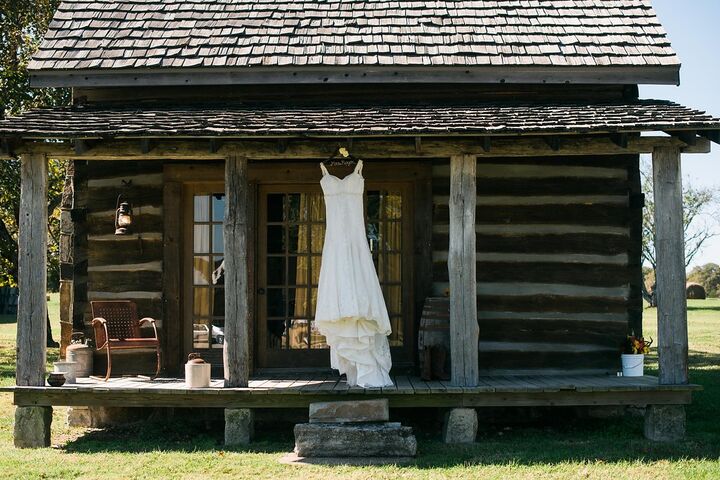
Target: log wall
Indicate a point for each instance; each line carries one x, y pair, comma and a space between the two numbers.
122, 267
557, 266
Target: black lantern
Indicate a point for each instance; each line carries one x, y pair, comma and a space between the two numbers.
123, 216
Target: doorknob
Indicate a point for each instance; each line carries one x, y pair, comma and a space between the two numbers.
261, 291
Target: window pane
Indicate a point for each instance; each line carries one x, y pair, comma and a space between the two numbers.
317, 207
276, 239
373, 236
297, 238
202, 208
299, 274
390, 265
317, 238
218, 275
297, 204
218, 302
373, 204
275, 302
201, 302
276, 331
201, 239
298, 302
315, 269
275, 207
392, 205
393, 299
276, 270
217, 238
218, 207
391, 236
316, 339
201, 271
201, 333
298, 333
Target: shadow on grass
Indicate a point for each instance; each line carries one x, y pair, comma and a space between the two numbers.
700, 308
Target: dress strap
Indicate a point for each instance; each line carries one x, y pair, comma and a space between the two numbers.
358, 167
323, 168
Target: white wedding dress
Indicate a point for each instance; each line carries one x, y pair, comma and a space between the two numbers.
351, 311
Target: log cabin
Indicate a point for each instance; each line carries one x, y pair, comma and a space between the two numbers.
501, 143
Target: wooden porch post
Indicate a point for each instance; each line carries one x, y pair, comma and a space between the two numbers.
236, 352
32, 424
670, 252
32, 278
464, 330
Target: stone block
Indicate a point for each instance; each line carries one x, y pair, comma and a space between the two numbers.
32, 427
350, 412
79, 417
461, 425
665, 423
388, 439
239, 426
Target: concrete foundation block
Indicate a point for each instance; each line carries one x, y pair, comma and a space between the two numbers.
461, 425
350, 412
665, 423
389, 439
239, 426
32, 427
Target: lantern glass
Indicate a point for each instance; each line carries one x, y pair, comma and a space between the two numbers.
124, 220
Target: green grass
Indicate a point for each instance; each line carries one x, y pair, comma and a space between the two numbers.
557, 448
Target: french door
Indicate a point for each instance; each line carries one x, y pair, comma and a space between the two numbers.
290, 236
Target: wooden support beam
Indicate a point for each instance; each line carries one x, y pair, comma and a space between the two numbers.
322, 148
464, 331
670, 251
80, 146
214, 145
689, 137
236, 352
712, 135
553, 142
145, 145
32, 260
620, 139
486, 144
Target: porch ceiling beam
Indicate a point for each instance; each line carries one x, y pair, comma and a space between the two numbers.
464, 330
712, 135
689, 137
671, 308
389, 148
621, 140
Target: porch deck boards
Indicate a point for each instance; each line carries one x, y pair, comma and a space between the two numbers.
298, 391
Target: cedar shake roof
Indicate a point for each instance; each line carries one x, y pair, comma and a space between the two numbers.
108, 35
226, 120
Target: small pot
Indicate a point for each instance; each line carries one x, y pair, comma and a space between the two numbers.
66, 367
633, 365
56, 379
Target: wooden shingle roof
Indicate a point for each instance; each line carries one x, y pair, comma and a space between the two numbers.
278, 121
108, 35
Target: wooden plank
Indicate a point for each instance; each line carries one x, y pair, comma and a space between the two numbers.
32, 275
367, 148
403, 384
172, 268
236, 351
670, 253
418, 385
462, 274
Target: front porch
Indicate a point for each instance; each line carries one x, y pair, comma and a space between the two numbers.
298, 391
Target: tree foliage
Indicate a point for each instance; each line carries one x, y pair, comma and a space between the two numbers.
699, 220
708, 276
22, 25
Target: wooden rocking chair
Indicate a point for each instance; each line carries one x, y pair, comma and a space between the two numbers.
117, 327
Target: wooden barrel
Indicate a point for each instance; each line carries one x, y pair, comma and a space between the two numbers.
434, 325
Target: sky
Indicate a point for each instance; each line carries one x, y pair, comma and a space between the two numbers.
693, 27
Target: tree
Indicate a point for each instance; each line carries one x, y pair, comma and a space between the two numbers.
699, 223
22, 24
708, 276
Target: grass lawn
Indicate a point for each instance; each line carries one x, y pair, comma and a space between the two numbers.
602, 449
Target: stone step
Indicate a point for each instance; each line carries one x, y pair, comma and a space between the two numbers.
388, 439
350, 411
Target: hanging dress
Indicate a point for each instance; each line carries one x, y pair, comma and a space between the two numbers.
351, 311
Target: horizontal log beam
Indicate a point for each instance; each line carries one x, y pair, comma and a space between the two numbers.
322, 148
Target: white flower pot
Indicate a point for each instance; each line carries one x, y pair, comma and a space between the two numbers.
67, 368
633, 365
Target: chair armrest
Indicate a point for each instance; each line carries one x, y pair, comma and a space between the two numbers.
151, 321
101, 332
